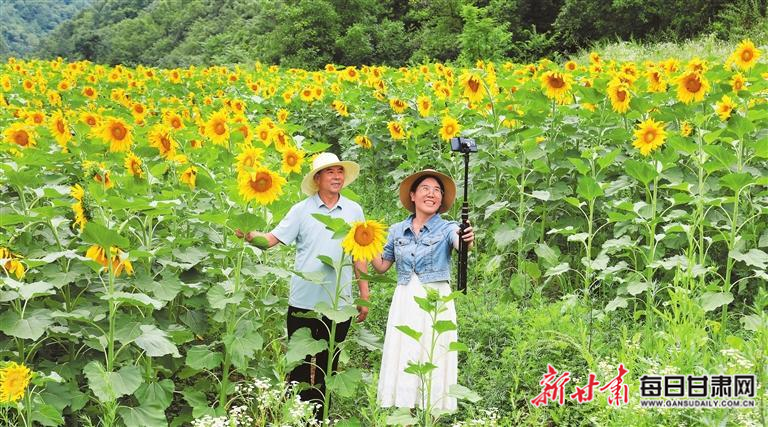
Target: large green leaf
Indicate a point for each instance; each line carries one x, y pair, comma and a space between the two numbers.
339, 227
641, 171
462, 393
712, 300
242, 346
345, 382
155, 342
98, 234
507, 234
200, 357
31, 327
302, 345
146, 415
407, 330
156, 393
588, 188
108, 386
755, 258
401, 417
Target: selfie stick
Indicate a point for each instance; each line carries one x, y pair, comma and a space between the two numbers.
465, 146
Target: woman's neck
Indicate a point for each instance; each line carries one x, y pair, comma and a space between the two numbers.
419, 220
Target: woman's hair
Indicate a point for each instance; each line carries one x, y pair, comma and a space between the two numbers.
421, 179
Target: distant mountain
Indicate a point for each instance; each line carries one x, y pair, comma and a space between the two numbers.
26, 22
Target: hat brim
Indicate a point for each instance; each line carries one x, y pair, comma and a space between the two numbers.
449, 197
351, 172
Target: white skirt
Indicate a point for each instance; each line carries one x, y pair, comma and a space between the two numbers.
403, 390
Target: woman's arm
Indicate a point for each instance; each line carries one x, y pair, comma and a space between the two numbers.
380, 264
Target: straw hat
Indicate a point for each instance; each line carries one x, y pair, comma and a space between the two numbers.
326, 160
448, 186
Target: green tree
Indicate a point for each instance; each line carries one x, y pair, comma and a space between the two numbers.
482, 37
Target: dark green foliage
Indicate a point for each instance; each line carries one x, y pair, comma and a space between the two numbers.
26, 22
312, 33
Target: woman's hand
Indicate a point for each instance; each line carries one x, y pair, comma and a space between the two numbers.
468, 236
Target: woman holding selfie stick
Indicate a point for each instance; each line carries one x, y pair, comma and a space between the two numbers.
420, 247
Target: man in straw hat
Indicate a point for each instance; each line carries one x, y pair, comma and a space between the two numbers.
323, 185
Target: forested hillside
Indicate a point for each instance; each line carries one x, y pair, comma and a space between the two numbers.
26, 22
312, 33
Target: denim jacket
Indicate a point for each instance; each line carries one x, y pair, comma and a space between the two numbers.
428, 255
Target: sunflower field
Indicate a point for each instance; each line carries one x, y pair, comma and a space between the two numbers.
621, 211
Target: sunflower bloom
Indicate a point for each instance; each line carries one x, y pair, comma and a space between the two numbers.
249, 158
173, 120
363, 141
450, 128
365, 240
216, 128
117, 133
293, 159
746, 55
691, 87
738, 82
160, 138
14, 379
725, 107
397, 105
556, 85
133, 165
340, 107
473, 87
424, 105
619, 95
80, 216
21, 135
118, 259
686, 128
282, 115
650, 136
396, 130
656, 82
261, 185
189, 177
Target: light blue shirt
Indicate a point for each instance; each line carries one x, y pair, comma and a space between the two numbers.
313, 239
428, 255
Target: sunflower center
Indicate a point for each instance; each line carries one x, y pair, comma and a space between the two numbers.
175, 122
621, 95
91, 121
693, 85
219, 129
449, 129
474, 85
364, 235
649, 136
262, 182
38, 118
89, 92
165, 142
139, 109
746, 55
291, 159
60, 126
556, 82
118, 131
21, 138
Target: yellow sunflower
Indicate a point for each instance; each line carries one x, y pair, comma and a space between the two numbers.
396, 130
282, 115
686, 128
424, 105
261, 185
473, 86
365, 240
725, 107
292, 160
90, 93
363, 141
746, 55
340, 107
216, 128
118, 258
450, 128
619, 95
656, 82
189, 177
60, 130
14, 379
117, 133
738, 82
173, 120
397, 105
21, 135
650, 136
160, 138
133, 165
91, 119
249, 158
556, 85
280, 138
691, 87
